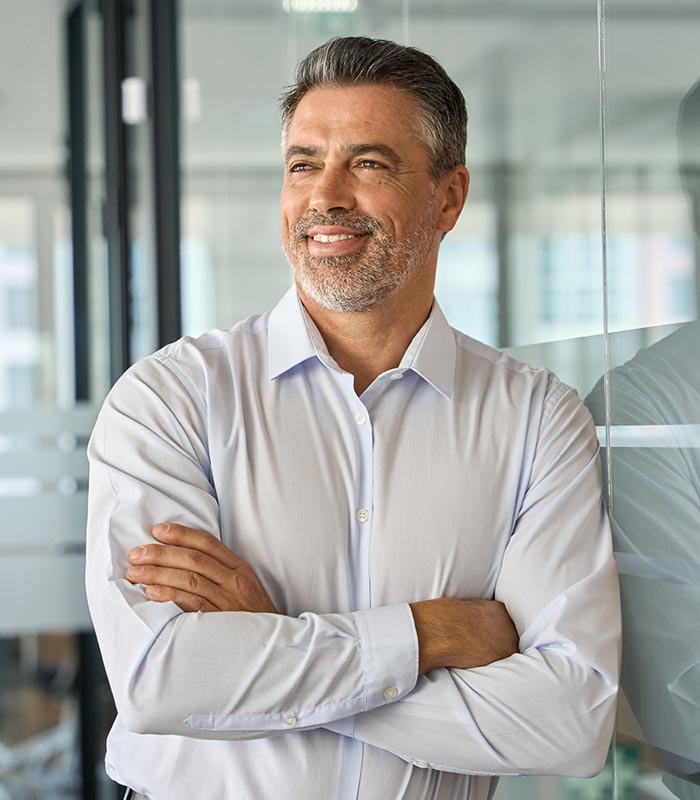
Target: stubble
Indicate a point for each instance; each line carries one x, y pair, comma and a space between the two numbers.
358, 281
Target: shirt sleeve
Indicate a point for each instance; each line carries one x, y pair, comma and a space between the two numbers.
550, 708
222, 675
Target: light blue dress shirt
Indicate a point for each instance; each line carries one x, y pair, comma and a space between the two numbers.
462, 472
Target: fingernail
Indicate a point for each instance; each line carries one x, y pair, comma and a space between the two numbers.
137, 553
134, 572
162, 529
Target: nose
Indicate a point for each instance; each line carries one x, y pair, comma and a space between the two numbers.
332, 189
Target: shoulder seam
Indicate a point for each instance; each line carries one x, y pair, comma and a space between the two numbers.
551, 402
244, 326
504, 359
185, 382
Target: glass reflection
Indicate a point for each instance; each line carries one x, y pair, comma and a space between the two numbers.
655, 510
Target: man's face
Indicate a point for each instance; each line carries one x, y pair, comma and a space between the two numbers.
359, 210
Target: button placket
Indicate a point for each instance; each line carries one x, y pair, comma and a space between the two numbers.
361, 428
361, 418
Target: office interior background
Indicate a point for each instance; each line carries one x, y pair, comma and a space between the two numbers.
140, 169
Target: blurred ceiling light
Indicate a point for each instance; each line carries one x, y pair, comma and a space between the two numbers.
320, 6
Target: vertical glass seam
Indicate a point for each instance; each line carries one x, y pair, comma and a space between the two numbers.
602, 75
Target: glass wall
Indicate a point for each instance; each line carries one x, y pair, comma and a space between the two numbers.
44, 621
566, 264
35, 368
652, 392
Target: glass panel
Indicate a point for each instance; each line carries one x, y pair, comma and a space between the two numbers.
43, 467
523, 267
36, 662
653, 162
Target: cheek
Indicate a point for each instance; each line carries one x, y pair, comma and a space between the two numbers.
394, 205
286, 223
290, 212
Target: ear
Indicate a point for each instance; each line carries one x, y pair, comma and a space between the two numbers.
454, 188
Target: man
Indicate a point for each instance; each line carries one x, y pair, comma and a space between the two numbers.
401, 529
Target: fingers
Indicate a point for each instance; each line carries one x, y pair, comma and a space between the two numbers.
178, 579
196, 571
182, 558
185, 600
171, 533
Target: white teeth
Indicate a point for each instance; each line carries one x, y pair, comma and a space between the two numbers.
336, 237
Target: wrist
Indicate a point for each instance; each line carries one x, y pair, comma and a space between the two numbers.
433, 644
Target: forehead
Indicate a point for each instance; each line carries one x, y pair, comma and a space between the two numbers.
344, 113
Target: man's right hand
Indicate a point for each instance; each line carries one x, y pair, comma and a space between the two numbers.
197, 572
462, 633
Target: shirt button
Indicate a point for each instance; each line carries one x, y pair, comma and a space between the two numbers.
362, 515
396, 376
422, 764
390, 693
290, 720
360, 418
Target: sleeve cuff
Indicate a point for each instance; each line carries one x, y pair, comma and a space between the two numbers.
389, 647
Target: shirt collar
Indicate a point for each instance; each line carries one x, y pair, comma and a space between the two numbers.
293, 338
289, 340
433, 352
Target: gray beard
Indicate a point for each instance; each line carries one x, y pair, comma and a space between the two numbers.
339, 283
359, 282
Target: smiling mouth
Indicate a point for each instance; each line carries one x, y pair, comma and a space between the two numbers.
335, 237
335, 244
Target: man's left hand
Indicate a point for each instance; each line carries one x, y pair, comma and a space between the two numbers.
197, 572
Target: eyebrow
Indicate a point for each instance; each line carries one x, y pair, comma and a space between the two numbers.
350, 150
300, 150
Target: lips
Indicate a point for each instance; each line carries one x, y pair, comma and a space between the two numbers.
331, 234
333, 237
331, 240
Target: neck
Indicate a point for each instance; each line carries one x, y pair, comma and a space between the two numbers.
367, 343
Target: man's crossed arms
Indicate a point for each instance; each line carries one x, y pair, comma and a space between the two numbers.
197, 572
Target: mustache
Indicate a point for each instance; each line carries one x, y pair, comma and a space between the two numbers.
360, 223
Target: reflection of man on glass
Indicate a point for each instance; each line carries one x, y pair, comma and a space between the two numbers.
656, 521
368, 466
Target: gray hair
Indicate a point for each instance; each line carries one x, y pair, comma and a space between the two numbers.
356, 60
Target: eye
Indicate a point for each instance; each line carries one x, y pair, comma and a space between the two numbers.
368, 163
299, 166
